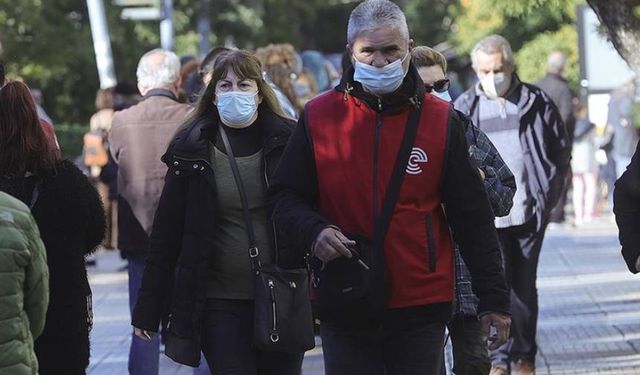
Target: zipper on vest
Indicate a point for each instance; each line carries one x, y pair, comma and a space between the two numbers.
376, 156
431, 242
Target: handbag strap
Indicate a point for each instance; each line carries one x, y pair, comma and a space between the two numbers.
253, 245
388, 205
395, 183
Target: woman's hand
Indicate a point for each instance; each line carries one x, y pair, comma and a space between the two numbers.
143, 334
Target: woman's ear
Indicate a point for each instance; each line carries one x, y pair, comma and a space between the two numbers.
259, 99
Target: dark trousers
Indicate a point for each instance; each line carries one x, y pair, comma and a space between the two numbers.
402, 345
470, 351
521, 247
144, 356
227, 342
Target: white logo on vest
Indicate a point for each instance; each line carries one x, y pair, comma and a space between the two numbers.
417, 156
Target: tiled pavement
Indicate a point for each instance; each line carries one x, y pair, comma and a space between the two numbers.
589, 309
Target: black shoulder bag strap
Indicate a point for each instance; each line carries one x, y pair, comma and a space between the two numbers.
395, 183
378, 279
253, 245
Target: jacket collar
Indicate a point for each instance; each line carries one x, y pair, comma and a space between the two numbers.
161, 92
192, 140
410, 92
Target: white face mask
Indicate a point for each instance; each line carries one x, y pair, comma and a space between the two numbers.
495, 84
442, 95
383, 80
237, 109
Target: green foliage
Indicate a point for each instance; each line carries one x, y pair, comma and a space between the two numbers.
518, 21
48, 42
532, 57
70, 139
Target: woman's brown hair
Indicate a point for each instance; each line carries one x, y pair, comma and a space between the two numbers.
24, 147
246, 66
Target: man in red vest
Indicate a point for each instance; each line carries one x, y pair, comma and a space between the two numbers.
332, 181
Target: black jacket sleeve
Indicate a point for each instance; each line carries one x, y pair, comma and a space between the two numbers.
556, 140
471, 219
626, 207
294, 191
164, 247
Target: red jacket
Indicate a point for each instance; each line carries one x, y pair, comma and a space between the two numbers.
418, 248
326, 177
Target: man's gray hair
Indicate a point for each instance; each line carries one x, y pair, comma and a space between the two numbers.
490, 45
556, 61
371, 15
158, 68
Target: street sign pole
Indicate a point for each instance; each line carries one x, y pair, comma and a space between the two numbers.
101, 43
166, 26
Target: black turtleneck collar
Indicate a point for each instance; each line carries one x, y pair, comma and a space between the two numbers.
244, 141
409, 92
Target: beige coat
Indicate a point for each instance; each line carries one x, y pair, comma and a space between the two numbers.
138, 138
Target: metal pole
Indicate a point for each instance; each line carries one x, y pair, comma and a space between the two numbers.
204, 27
166, 26
101, 43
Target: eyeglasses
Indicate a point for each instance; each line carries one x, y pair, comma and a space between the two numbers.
438, 86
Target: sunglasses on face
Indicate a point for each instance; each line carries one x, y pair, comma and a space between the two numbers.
438, 86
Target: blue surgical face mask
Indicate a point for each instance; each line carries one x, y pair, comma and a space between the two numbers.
383, 80
442, 95
237, 108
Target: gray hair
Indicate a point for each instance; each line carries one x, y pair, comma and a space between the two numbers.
158, 68
371, 15
556, 61
490, 45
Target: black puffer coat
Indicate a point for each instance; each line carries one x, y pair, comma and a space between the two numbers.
181, 240
71, 220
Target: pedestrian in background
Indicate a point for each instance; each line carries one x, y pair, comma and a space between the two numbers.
470, 350
198, 247
621, 126
557, 88
24, 287
330, 187
583, 164
138, 137
71, 220
104, 176
526, 128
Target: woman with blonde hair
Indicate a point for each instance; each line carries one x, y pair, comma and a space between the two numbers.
198, 246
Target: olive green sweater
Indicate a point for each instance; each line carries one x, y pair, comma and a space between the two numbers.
24, 287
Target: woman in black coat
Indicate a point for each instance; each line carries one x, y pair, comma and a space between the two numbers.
199, 246
71, 220
626, 207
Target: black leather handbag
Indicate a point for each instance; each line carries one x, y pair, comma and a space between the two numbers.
351, 291
283, 321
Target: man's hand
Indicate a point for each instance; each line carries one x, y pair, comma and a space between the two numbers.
331, 244
481, 173
143, 334
502, 324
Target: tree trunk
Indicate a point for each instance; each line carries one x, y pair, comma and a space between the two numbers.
622, 27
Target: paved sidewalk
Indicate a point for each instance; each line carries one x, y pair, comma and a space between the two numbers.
589, 309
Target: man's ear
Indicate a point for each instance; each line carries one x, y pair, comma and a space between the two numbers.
143, 90
411, 44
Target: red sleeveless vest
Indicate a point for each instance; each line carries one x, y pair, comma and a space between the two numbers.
418, 247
